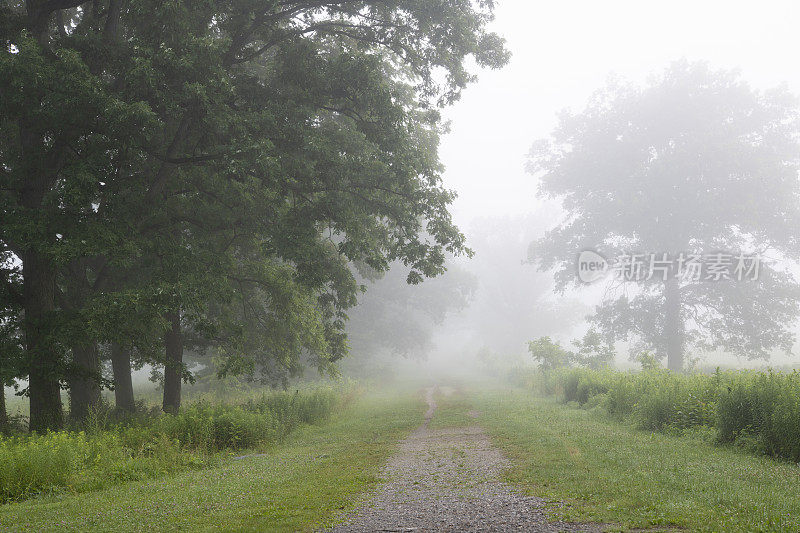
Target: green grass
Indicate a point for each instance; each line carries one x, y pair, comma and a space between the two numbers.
614, 473
303, 483
451, 409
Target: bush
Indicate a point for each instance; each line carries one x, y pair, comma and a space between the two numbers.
550, 355
580, 385
212, 428
679, 402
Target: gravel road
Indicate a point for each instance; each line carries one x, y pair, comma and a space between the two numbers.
449, 480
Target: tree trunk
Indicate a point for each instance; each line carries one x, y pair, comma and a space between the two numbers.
84, 388
123, 384
673, 324
3, 412
173, 344
44, 389
42, 358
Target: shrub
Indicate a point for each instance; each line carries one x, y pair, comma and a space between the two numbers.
680, 402
550, 355
580, 385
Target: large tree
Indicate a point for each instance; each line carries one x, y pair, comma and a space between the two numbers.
695, 162
213, 166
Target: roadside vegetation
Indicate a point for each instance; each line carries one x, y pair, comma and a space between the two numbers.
597, 469
110, 451
755, 410
306, 482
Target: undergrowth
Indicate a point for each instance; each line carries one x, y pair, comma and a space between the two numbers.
757, 410
149, 445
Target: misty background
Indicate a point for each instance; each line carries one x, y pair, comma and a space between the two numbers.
561, 53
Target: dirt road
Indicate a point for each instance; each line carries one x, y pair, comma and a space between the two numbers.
449, 480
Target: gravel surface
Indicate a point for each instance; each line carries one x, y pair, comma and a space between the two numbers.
449, 480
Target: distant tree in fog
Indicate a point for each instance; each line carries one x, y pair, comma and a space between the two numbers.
490, 305
696, 161
513, 302
399, 318
592, 351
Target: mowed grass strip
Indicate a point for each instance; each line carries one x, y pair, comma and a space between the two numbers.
452, 407
612, 473
302, 484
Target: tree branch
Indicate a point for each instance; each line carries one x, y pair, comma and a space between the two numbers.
164, 172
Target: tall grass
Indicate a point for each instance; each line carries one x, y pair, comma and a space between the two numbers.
754, 409
151, 446
762, 411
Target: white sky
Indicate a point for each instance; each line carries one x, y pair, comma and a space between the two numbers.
564, 50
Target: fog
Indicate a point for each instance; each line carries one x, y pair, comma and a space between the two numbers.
562, 53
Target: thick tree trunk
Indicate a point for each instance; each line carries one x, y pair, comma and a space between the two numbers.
123, 384
673, 325
42, 357
39, 280
84, 388
173, 344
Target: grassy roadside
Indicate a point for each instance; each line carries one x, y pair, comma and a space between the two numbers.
609, 472
151, 445
303, 483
